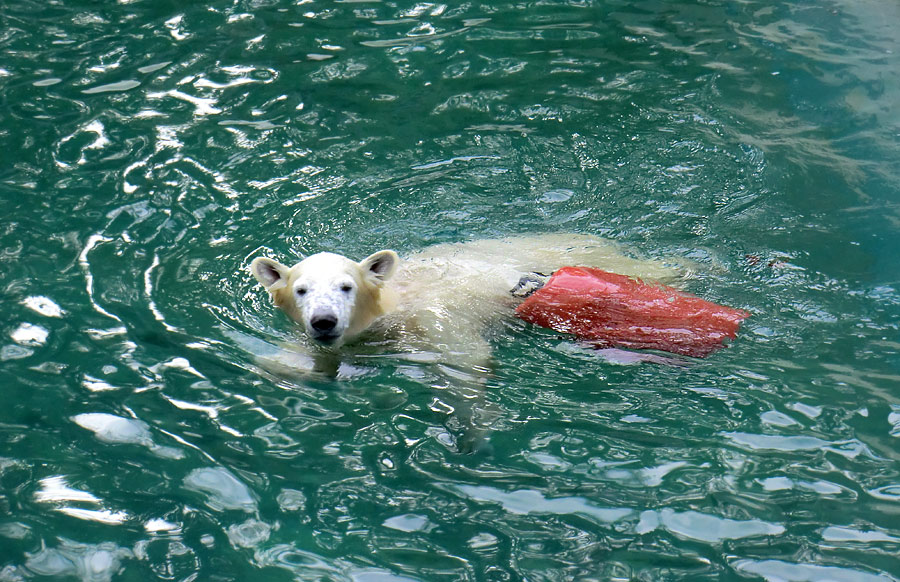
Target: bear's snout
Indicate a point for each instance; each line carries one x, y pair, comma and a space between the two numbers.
323, 323
323, 326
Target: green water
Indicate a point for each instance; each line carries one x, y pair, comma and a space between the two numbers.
151, 149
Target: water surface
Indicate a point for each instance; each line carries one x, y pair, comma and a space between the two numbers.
151, 149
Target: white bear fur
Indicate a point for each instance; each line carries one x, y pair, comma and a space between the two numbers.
437, 302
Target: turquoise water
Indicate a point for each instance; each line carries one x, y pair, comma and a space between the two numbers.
150, 150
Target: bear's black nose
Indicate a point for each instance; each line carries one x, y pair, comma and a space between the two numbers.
323, 323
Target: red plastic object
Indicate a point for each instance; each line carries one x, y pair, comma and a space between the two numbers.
617, 311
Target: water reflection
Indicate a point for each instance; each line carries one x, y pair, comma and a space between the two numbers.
94, 563
55, 490
115, 429
151, 151
775, 570
221, 488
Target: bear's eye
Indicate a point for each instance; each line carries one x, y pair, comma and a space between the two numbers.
301, 291
346, 287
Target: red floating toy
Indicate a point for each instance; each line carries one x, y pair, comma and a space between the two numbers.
613, 310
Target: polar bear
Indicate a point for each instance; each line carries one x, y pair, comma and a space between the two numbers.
434, 306
436, 302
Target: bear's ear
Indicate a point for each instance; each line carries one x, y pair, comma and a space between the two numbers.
380, 265
272, 274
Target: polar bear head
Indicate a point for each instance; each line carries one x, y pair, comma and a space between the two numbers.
331, 296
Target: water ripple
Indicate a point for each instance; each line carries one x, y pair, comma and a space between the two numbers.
97, 563
223, 490
152, 397
775, 570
